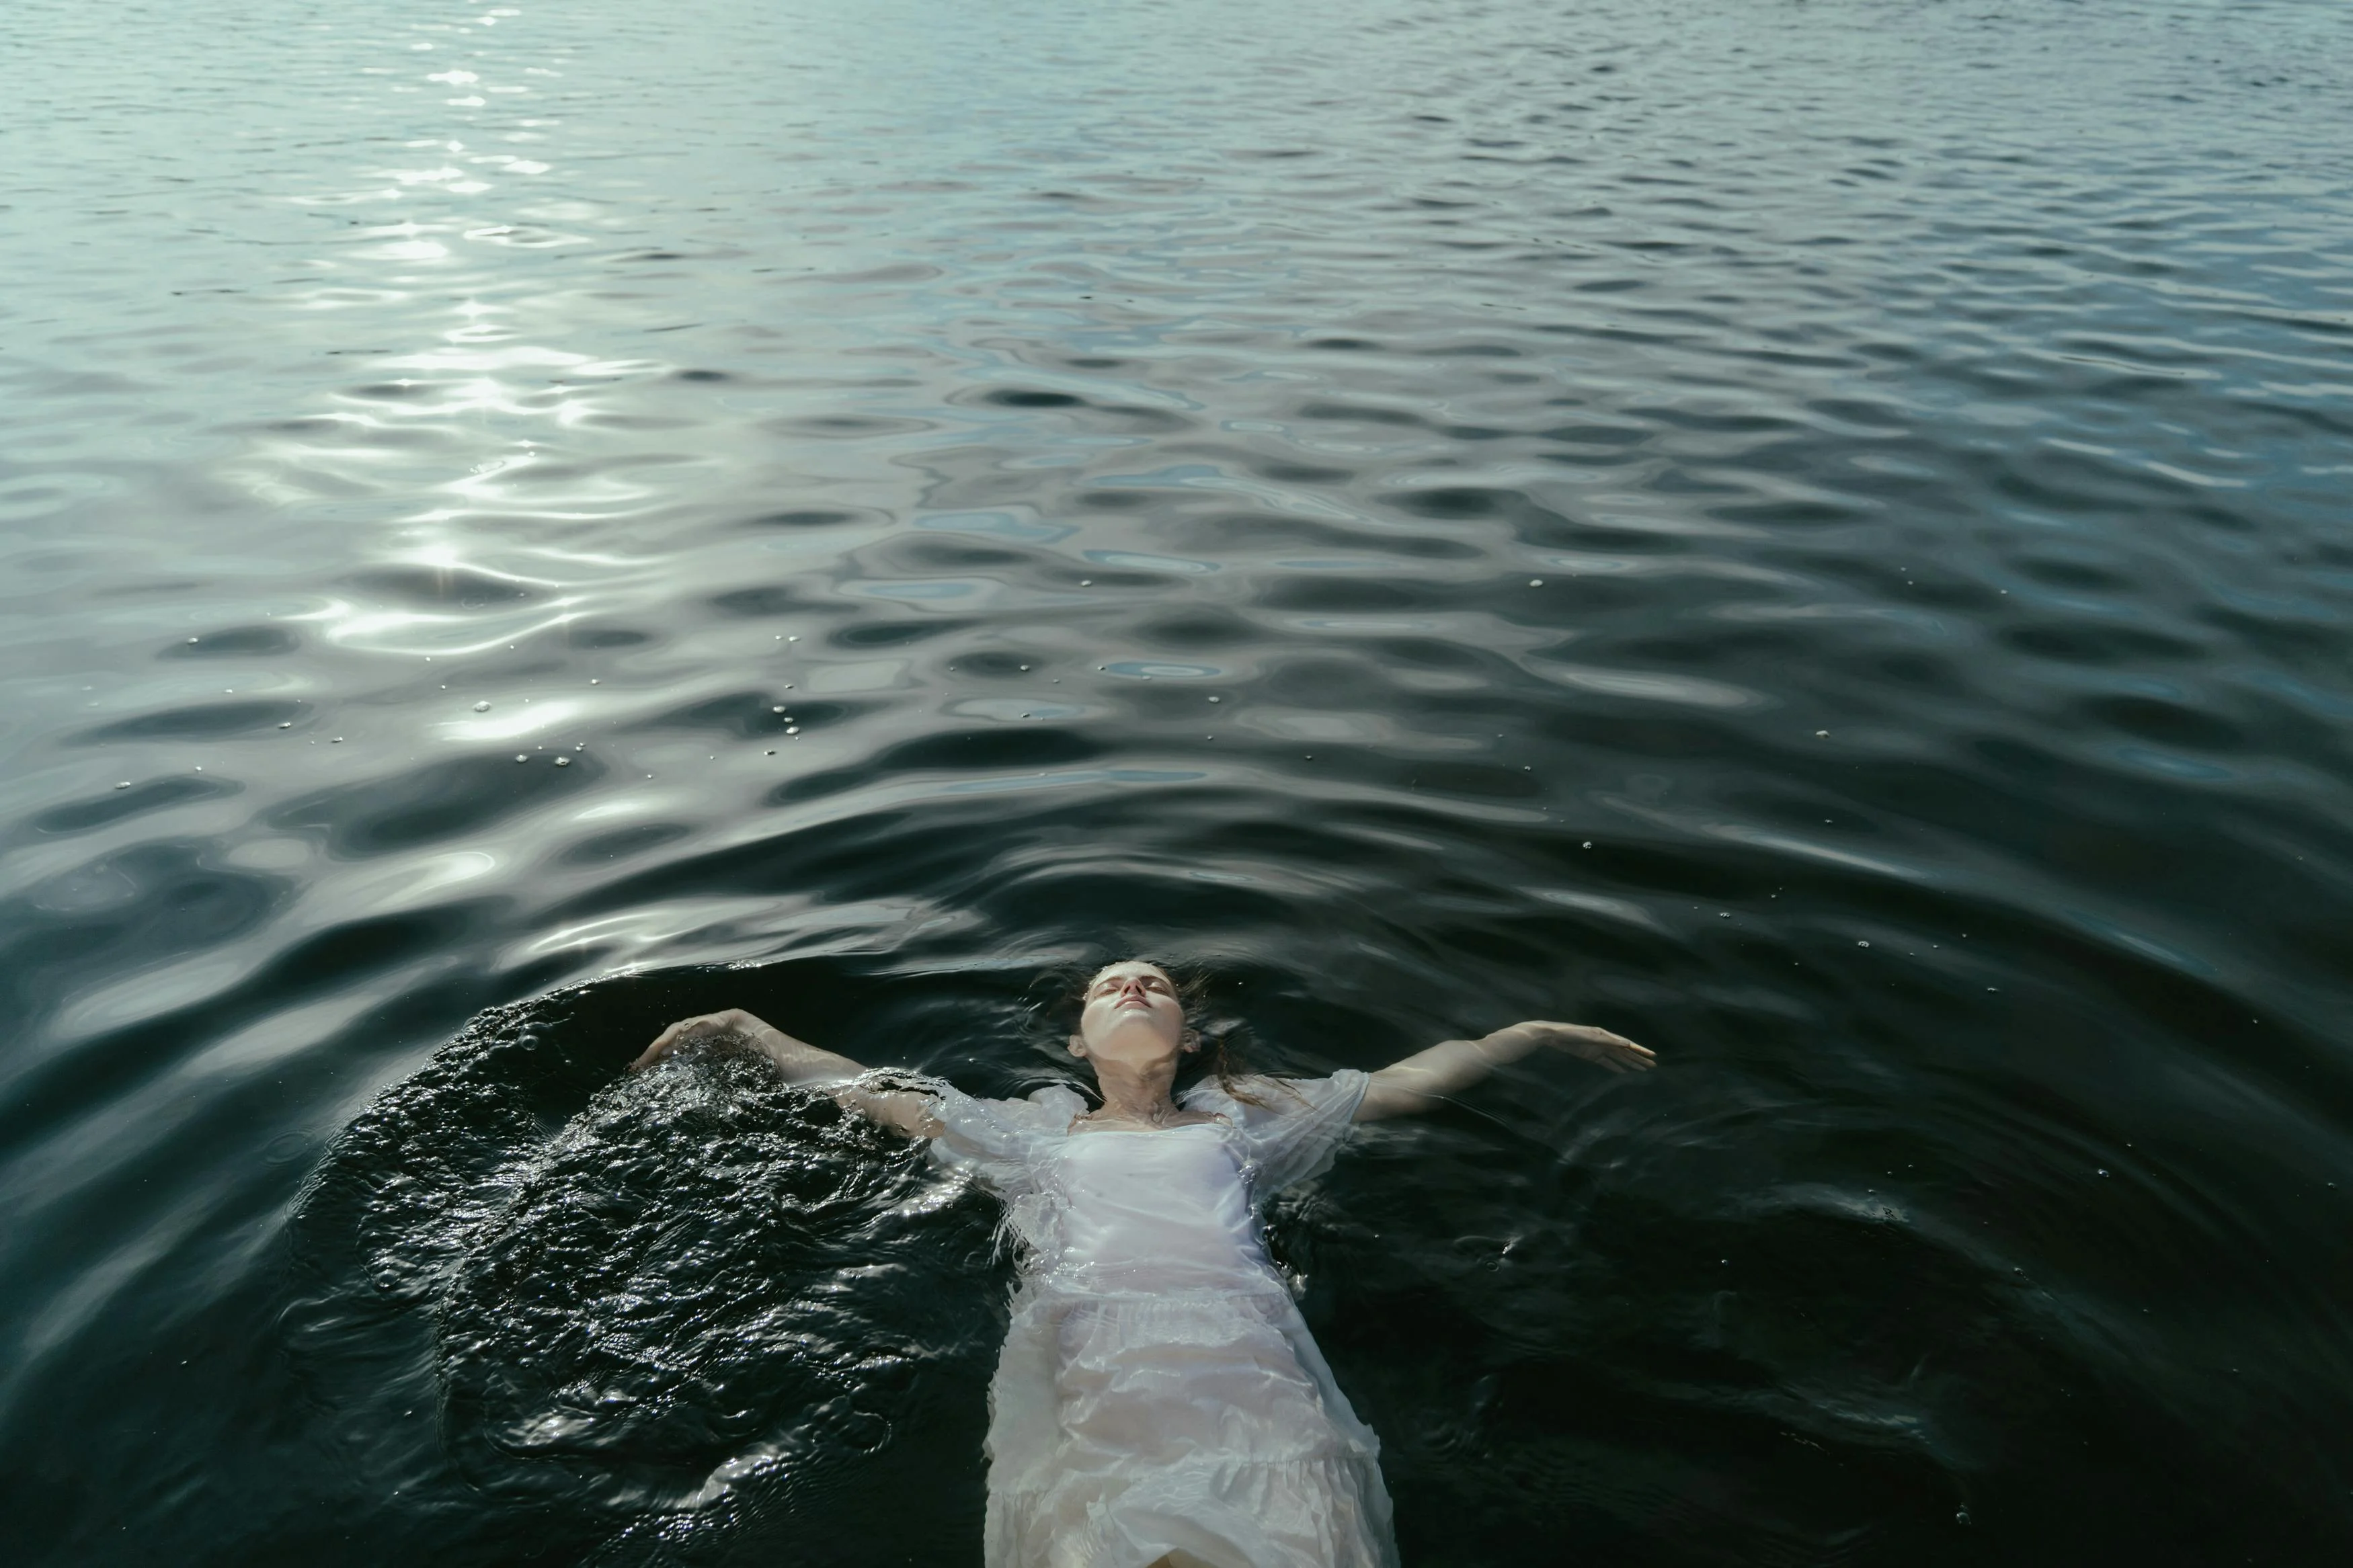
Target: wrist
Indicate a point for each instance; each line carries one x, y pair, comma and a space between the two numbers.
1508, 1044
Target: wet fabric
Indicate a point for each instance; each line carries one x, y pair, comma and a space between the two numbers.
1158, 1391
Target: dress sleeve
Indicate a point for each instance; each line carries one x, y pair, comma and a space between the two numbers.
1293, 1135
996, 1141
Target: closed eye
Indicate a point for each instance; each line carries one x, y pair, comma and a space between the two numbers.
1151, 982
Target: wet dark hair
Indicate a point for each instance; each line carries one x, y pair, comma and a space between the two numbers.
1211, 1039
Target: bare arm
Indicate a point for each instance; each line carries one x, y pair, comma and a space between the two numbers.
801, 1063
1417, 1082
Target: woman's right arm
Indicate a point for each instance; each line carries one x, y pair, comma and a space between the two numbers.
800, 1062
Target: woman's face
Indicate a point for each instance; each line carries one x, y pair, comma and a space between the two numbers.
1132, 1015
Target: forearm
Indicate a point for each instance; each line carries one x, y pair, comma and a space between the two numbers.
801, 1063
835, 1074
1417, 1082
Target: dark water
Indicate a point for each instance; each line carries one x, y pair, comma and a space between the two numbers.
1810, 533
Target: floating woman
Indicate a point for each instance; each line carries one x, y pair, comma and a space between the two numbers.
1158, 1403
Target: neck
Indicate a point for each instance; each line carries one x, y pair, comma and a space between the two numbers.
1137, 1093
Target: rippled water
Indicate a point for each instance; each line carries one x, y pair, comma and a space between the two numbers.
1810, 533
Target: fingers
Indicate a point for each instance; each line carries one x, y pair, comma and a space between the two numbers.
1636, 1059
1600, 1045
679, 1034
661, 1047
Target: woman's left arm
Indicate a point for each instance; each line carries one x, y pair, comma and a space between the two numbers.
1420, 1081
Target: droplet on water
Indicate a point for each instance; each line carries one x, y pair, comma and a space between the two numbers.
525, 756
1862, 944
482, 707
564, 762
126, 783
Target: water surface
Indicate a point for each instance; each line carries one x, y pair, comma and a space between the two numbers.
1808, 533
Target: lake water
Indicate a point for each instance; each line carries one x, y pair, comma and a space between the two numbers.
1812, 534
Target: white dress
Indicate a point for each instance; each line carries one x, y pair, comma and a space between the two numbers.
1158, 1391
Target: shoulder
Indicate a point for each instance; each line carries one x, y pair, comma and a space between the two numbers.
1042, 1111
1049, 1107
1052, 1106
1257, 1096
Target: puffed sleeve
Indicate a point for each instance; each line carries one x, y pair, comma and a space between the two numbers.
997, 1142
1294, 1129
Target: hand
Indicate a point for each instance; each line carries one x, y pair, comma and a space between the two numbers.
686, 1031
1596, 1045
